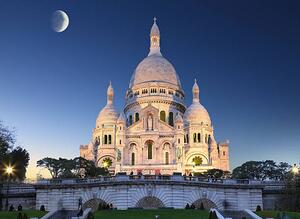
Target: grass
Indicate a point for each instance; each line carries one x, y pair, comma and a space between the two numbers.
150, 214
273, 214
13, 214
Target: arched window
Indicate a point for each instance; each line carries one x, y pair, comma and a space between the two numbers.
184, 139
137, 117
130, 120
195, 137
109, 139
132, 159
149, 147
199, 137
205, 138
167, 158
120, 141
171, 119
178, 140
187, 138
163, 116
105, 139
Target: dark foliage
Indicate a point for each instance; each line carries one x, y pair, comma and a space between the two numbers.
262, 170
71, 168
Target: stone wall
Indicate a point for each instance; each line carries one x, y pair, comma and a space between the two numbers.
19, 193
124, 193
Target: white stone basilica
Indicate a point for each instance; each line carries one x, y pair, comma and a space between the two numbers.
155, 133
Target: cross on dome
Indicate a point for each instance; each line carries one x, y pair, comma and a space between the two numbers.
154, 39
196, 92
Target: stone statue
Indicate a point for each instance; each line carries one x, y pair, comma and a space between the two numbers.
178, 153
150, 122
118, 155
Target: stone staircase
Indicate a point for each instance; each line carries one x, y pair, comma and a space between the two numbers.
64, 214
234, 214
238, 214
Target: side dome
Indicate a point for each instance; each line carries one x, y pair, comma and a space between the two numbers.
196, 113
108, 115
155, 68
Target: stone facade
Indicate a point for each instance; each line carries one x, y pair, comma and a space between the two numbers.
155, 132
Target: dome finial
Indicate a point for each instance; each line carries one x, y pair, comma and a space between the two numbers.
110, 94
154, 39
196, 92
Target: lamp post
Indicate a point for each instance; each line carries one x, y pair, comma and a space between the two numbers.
295, 169
9, 171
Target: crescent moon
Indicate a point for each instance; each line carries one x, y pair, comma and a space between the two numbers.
60, 21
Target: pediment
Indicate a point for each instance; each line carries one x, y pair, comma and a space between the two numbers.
164, 127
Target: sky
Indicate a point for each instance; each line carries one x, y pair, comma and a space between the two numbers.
245, 55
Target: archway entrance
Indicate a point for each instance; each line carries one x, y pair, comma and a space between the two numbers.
95, 204
150, 202
204, 203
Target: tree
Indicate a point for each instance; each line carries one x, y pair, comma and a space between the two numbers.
216, 173
248, 170
290, 199
197, 160
262, 170
11, 155
53, 165
107, 162
71, 168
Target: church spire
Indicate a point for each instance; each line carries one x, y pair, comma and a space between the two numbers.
110, 94
196, 92
154, 39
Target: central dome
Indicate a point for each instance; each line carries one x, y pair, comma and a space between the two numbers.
155, 68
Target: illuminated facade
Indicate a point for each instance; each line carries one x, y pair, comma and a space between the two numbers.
155, 133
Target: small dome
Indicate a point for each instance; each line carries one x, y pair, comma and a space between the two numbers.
108, 114
196, 113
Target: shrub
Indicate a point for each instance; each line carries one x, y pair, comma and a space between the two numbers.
90, 216
42, 208
258, 208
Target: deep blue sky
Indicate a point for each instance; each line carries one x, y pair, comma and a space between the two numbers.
245, 55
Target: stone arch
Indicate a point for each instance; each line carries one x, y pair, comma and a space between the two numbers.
204, 194
206, 203
150, 190
94, 204
99, 161
101, 194
150, 202
190, 156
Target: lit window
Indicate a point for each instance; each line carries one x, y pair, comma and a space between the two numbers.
163, 116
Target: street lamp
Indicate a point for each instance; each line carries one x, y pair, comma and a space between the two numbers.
9, 171
295, 169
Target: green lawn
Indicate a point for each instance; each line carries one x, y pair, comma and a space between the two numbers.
13, 215
273, 214
150, 214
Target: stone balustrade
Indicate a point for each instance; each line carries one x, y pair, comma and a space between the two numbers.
141, 178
